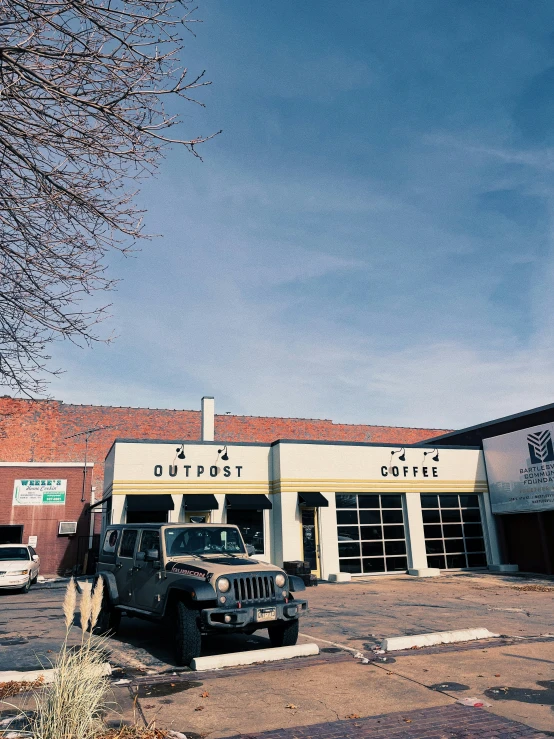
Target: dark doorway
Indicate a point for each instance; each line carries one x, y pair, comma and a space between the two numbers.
146, 516
528, 539
11, 534
309, 537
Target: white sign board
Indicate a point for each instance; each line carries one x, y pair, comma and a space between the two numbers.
520, 470
39, 492
32, 542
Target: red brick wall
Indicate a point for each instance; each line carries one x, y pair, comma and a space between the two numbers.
36, 430
57, 553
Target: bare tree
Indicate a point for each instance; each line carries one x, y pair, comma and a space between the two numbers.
82, 121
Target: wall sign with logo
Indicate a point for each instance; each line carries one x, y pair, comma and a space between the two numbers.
39, 492
520, 470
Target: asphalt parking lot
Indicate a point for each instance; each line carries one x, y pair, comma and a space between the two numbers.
514, 675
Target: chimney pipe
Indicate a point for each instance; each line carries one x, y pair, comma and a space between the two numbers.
208, 412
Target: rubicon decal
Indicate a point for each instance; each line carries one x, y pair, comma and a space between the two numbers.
182, 569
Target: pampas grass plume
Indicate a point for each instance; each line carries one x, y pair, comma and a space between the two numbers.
85, 608
69, 603
96, 602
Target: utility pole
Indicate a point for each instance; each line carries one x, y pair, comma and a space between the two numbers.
87, 434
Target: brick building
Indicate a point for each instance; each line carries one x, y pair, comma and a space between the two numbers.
42, 433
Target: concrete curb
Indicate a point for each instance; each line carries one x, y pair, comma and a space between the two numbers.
217, 661
47, 675
397, 643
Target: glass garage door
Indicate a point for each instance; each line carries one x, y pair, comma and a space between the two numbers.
453, 531
371, 533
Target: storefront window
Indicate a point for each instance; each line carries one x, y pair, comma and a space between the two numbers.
371, 533
453, 531
251, 525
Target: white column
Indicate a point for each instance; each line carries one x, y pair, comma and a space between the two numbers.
415, 539
118, 508
328, 540
494, 559
287, 528
174, 516
217, 513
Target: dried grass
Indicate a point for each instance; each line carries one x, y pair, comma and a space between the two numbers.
134, 732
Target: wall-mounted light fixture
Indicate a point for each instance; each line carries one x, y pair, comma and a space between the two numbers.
435, 458
181, 452
401, 452
224, 456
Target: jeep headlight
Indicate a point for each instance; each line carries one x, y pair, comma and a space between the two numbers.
280, 580
223, 585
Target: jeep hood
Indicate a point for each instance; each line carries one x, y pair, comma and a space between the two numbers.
218, 565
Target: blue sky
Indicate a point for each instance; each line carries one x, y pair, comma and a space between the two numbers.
369, 240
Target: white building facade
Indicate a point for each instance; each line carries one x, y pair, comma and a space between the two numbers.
356, 508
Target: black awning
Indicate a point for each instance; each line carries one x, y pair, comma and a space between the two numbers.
312, 500
150, 503
254, 502
200, 502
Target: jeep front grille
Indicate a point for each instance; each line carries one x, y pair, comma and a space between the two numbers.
254, 587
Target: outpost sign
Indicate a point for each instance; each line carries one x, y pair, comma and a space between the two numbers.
520, 470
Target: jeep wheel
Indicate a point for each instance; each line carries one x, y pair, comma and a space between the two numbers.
283, 633
187, 636
108, 619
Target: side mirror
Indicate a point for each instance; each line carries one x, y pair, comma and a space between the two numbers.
35, 557
141, 556
152, 555
250, 549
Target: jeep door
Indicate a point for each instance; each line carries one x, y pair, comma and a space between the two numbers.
125, 567
147, 580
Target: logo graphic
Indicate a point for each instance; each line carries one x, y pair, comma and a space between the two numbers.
540, 447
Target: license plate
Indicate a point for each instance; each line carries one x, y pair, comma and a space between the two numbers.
266, 614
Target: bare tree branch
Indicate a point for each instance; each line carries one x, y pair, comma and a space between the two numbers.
82, 122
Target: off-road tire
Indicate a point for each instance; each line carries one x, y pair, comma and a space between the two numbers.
188, 640
109, 618
283, 633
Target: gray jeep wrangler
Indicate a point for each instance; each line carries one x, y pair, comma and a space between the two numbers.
199, 579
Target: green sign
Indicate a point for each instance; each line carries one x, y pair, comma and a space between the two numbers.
39, 492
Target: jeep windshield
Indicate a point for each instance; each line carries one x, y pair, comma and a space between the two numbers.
198, 542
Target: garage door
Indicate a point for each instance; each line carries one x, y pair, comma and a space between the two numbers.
453, 531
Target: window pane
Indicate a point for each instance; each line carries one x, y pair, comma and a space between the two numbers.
448, 501
476, 560
429, 501
455, 561
349, 549
450, 515
475, 545
472, 515
432, 532
251, 525
452, 530
393, 532
347, 517
346, 501
368, 501
473, 529
395, 547
149, 540
374, 565
348, 533
370, 516
396, 563
431, 516
454, 545
436, 561
469, 501
393, 516
350, 565
371, 532
434, 546
391, 501
110, 541
372, 549
127, 548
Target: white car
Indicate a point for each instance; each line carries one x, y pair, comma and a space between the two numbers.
19, 566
